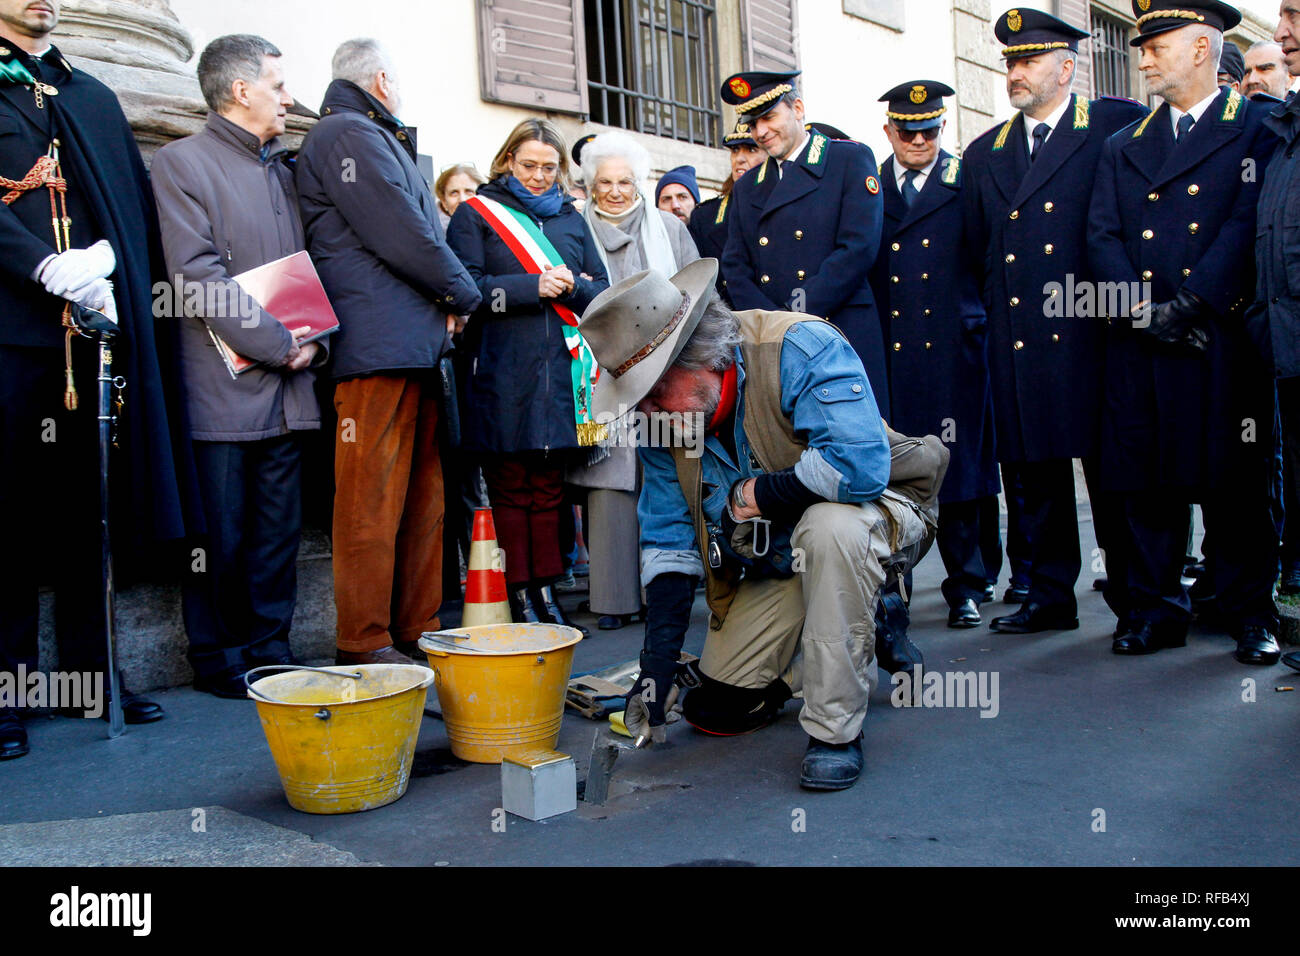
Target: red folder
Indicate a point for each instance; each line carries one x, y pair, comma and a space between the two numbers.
291, 291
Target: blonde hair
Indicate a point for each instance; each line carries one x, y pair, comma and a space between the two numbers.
533, 130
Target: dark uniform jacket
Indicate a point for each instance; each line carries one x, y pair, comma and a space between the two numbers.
520, 391
108, 198
927, 290
1274, 319
374, 234
1182, 216
708, 227
805, 242
1032, 222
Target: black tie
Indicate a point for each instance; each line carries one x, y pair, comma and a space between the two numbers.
909, 190
1185, 123
1040, 137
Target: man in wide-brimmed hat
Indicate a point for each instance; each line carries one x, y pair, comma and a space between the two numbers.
771, 483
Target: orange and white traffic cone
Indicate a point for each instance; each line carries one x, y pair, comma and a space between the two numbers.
485, 584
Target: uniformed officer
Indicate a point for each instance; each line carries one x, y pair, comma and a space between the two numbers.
926, 288
1188, 412
806, 223
709, 221
1027, 185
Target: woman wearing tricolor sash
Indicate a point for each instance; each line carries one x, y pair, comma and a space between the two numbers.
528, 412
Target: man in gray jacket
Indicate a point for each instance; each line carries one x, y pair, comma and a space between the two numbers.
226, 204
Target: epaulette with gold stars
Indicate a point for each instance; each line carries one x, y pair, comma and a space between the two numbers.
1142, 127
951, 171
1003, 133
1232, 108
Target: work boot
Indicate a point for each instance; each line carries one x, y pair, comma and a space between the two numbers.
895, 652
13, 738
831, 766
522, 608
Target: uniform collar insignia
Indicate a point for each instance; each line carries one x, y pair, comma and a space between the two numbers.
951, 170
1232, 107
1003, 133
1081, 105
1142, 127
817, 150
722, 211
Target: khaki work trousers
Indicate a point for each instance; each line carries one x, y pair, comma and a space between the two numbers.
816, 630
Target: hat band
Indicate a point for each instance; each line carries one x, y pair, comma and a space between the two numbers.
658, 340
1169, 15
1026, 47
916, 116
762, 98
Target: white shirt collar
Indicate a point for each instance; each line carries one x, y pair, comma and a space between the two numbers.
1196, 111
921, 174
798, 151
1052, 121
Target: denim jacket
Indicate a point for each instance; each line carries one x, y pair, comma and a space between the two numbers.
826, 396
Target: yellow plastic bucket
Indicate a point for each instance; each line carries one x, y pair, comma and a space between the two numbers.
501, 686
343, 738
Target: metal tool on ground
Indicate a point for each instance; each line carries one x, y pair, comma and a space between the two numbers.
485, 582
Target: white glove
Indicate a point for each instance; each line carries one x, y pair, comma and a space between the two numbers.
109, 308
97, 295
70, 272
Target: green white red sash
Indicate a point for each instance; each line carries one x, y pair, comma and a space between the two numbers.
535, 253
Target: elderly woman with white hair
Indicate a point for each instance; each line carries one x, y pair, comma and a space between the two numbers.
632, 235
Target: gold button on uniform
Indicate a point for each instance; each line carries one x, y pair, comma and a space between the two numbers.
1011, 257
1186, 273
762, 240
798, 233
1193, 189
1147, 274
1049, 248
898, 346
801, 273
1056, 337
927, 345
1153, 197
1194, 228
896, 247
925, 243
925, 275
1048, 206
1148, 234
1015, 300
1015, 214
927, 311
765, 279
401, 136
894, 279
894, 313
1019, 345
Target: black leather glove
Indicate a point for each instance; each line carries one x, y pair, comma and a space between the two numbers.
1184, 322
668, 615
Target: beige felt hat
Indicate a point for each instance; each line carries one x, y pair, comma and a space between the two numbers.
637, 328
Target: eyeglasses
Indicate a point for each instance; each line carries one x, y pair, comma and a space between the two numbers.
606, 185
549, 170
909, 135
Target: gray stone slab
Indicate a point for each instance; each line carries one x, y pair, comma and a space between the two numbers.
201, 836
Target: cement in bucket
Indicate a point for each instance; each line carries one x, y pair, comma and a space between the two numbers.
343, 738
501, 686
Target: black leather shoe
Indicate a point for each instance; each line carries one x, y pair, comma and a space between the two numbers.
1290, 583
895, 652
989, 594
1255, 645
1146, 637
1015, 595
137, 710
965, 614
831, 766
13, 738
522, 609
550, 610
229, 685
1032, 618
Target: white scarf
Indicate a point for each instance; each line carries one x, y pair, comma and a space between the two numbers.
656, 250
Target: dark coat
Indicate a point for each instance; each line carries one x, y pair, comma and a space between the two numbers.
108, 198
1274, 319
520, 391
708, 225
1183, 217
373, 232
927, 290
1032, 222
805, 242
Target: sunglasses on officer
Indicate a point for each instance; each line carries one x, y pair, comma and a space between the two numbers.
909, 135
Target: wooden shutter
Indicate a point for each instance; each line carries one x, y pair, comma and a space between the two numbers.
771, 32
532, 53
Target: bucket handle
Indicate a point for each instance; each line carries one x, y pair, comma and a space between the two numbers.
323, 713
